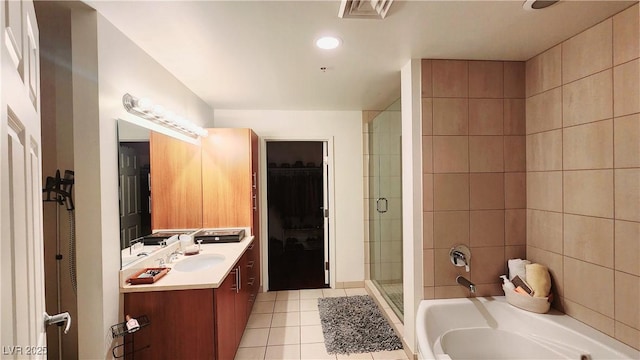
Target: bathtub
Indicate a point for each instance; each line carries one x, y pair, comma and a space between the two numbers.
490, 328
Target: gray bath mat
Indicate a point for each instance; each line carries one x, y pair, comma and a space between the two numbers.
354, 324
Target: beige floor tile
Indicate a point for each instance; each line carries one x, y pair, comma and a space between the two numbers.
254, 338
389, 355
314, 352
286, 306
311, 334
267, 296
310, 294
355, 292
283, 319
283, 352
309, 318
263, 307
288, 295
251, 353
257, 320
284, 336
309, 305
360, 356
333, 292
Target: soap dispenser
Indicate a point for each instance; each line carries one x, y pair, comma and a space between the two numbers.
507, 284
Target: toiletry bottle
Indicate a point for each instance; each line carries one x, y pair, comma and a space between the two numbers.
507, 284
132, 324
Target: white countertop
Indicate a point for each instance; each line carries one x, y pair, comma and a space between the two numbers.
176, 280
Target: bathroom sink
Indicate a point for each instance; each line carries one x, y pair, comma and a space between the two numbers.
198, 262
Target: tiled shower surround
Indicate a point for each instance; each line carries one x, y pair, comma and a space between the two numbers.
561, 188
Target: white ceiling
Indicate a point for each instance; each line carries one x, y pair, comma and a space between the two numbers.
261, 54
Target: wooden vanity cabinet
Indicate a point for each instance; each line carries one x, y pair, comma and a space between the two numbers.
175, 182
200, 323
227, 340
181, 324
228, 178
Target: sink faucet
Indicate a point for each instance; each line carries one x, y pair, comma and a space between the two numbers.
173, 256
466, 283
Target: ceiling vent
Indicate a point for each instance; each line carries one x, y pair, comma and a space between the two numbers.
364, 9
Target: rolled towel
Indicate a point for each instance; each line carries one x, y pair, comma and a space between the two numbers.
539, 279
517, 268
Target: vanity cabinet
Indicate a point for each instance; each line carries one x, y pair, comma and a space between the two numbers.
198, 323
230, 179
175, 182
181, 324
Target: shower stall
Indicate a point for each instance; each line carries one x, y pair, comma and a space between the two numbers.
385, 205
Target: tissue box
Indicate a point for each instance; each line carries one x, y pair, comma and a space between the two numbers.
538, 305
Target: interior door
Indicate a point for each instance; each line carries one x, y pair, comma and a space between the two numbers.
22, 299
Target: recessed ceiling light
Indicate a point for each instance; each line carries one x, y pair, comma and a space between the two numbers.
328, 42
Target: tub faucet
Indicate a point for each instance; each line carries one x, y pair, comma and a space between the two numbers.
466, 283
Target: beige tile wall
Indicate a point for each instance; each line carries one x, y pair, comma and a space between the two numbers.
583, 173
474, 182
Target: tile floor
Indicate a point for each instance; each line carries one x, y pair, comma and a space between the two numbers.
286, 325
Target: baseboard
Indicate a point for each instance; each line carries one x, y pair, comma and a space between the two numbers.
349, 284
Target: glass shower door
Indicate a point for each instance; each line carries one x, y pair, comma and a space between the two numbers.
385, 186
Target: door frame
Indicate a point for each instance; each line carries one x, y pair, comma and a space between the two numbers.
264, 231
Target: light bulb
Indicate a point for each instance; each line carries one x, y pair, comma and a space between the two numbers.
144, 104
169, 117
158, 111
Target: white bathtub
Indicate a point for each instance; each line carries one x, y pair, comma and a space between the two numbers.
490, 328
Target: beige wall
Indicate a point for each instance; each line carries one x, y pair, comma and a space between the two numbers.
583, 173
473, 171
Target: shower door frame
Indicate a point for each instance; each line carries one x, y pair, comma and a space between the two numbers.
381, 200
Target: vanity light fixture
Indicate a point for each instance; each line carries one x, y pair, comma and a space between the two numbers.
145, 109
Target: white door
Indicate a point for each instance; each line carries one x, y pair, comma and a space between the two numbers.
21, 248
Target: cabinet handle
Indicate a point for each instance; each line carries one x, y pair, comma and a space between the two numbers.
250, 246
251, 281
254, 182
239, 280
255, 202
234, 287
250, 264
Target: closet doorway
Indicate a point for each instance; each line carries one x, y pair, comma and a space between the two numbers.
298, 215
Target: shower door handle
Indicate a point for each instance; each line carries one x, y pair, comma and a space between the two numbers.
382, 205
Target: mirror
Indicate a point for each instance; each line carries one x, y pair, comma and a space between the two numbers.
160, 188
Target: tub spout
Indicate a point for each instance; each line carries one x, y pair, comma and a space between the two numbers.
466, 283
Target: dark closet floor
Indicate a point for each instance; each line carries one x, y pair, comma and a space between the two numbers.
293, 267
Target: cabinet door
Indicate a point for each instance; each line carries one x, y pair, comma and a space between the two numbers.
253, 272
180, 324
226, 178
175, 183
242, 297
226, 340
